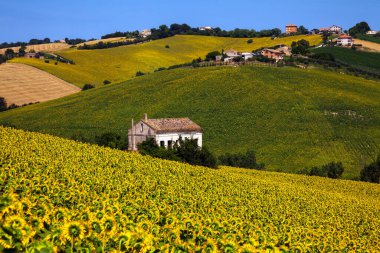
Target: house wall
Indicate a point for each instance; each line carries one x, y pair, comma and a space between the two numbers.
345, 42
176, 136
141, 132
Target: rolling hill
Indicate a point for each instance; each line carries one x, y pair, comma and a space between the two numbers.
21, 84
122, 63
365, 60
291, 117
48, 47
63, 196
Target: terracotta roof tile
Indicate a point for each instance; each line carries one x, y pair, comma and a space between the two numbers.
170, 125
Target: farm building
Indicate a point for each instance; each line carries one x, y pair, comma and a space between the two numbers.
272, 54
344, 40
145, 33
232, 53
371, 32
166, 131
290, 29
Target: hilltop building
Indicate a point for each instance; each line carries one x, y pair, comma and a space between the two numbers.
166, 132
291, 29
205, 28
371, 32
345, 40
332, 29
145, 33
273, 54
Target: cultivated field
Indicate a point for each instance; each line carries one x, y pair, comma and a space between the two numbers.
122, 63
103, 40
22, 84
63, 196
366, 60
50, 47
372, 46
292, 118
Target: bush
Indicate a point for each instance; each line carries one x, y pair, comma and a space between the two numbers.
47, 61
371, 172
250, 41
55, 63
323, 56
331, 170
139, 73
212, 55
167, 46
247, 160
88, 86
3, 104
105, 82
112, 140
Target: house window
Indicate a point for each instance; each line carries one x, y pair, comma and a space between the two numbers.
142, 127
162, 143
170, 144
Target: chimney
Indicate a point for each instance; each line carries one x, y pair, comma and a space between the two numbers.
145, 117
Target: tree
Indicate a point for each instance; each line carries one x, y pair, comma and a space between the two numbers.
9, 53
88, 86
359, 28
333, 169
105, 82
3, 104
250, 41
303, 30
3, 59
21, 51
371, 172
212, 55
247, 160
140, 73
300, 47
112, 140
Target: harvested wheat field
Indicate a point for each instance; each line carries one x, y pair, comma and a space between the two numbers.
22, 84
371, 46
49, 47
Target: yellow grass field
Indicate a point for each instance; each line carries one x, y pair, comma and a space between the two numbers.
22, 84
121, 63
50, 47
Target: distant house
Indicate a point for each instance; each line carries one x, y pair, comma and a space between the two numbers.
371, 32
218, 57
232, 53
32, 55
284, 49
247, 56
205, 28
344, 40
314, 31
272, 54
336, 29
166, 132
145, 33
291, 29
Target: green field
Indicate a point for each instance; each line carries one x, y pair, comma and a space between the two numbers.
291, 117
122, 63
365, 60
58, 195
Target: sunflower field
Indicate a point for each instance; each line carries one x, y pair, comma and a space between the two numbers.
58, 195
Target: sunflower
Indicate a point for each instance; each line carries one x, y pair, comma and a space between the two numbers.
72, 231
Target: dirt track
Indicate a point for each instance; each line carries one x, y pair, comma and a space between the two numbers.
372, 46
21, 84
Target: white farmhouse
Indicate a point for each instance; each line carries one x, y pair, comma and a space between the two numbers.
371, 32
345, 40
166, 132
336, 29
232, 53
145, 33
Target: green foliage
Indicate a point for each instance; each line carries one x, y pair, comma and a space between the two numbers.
3, 104
211, 56
167, 46
88, 86
250, 41
331, 170
105, 82
303, 30
112, 140
184, 150
323, 56
371, 38
359, 29
247, 160
300, 47
371, 172
292, 118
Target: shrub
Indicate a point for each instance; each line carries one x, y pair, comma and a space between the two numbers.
55, 63
112, 140
247, 160
88, 86
105, 82
140, 73
3, 104
250, 41
212, 55
371, 172
331, 170
167, 46
47, 61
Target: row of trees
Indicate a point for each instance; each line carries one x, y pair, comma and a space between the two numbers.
133, 34
19, 44
102, 45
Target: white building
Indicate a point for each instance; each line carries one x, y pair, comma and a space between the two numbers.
345, 40
247, 56
336, 29
166, 132
205, 28
232, 53
371, 32
145, 33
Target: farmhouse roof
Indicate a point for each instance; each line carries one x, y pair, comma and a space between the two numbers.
289, 25
273, 51
172, 125
345, 37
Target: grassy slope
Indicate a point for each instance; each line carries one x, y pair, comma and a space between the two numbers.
121, 63
286, 115
59, 178
366, 60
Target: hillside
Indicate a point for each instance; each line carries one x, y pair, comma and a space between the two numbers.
74, 197
122, 63
292, 118
366, 60
48, 47
22, 84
